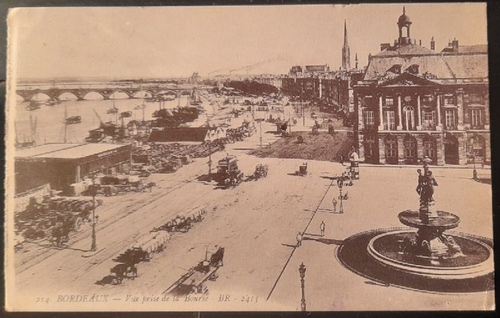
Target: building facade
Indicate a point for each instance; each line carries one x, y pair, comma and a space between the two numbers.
60, 165
415, 102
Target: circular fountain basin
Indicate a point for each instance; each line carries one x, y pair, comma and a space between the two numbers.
361, 253
475, 260
443, 221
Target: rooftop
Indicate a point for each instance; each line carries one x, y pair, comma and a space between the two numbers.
66, 151
182, 134
468, 62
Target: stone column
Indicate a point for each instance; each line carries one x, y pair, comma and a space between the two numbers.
487, 148
77, 174
381, 149
358, 105
486, 111
320, 88
419, 113
420, 145
401, 149
462, 149
361, 148
439, 149
400, 122
438, 106
380, 114
460, 109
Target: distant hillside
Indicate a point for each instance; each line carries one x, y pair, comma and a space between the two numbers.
315, 147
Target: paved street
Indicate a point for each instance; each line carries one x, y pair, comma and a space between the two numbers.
257, 223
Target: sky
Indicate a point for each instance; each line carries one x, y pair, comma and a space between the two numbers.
160, 42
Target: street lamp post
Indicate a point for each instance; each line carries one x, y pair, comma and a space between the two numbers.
260, 130
303, 116
302, 271
93, 192
340, 183
474, 171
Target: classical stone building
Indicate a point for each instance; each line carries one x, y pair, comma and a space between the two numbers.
414, 102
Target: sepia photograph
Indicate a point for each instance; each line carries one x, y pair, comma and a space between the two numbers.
318, 157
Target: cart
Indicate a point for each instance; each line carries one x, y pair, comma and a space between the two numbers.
194, 281
302, 170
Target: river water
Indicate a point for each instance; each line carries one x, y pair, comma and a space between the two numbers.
50, 120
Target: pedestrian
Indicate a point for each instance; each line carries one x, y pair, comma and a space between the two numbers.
322, 228
342, 160
334, 205
299, 239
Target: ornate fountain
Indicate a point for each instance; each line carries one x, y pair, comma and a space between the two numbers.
429, 251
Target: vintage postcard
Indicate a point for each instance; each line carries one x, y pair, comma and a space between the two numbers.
248, 158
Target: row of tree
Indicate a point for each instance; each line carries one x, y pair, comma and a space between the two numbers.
252, 87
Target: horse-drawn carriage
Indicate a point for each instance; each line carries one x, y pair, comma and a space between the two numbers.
260, 171
54, 218
195, 279
142, 250
228, 173
184, 221
302, 170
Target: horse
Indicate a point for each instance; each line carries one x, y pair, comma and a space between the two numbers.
217, 257
149, 186
60, 233
122, 270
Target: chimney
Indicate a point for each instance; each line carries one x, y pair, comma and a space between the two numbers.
384, 46
433, 44
454, 45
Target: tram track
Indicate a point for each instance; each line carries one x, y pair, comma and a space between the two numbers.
80, 236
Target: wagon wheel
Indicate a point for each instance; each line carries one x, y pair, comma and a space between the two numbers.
78, 224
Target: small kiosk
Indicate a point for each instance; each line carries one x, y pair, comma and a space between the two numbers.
354, 169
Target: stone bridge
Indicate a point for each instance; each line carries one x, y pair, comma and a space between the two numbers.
106, 90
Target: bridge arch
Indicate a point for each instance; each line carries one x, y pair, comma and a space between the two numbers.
119, 94
67, 96
92, 95
143, 94
40, 97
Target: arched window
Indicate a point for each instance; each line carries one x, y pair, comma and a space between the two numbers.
408, 118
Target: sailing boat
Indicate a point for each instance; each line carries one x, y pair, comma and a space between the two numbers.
114, 109
72, 119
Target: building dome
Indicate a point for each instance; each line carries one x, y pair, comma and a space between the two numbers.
404, 19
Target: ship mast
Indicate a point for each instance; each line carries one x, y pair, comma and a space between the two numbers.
65, 121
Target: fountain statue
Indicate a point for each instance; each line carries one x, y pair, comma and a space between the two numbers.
430, 241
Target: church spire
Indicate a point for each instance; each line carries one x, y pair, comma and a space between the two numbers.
346, 52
